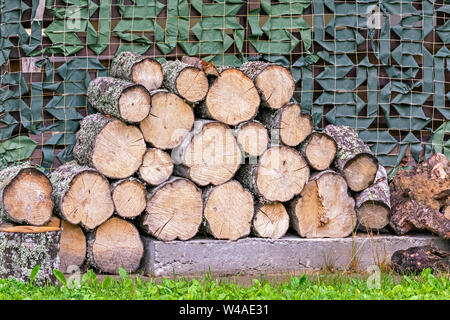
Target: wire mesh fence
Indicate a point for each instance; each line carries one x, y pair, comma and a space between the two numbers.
380, 66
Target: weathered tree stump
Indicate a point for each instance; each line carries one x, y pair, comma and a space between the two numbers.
271, 220
110, 146
324, 208
133, 67
72, 250
120, 99
287, 125
156, 168
354, 159
208, 155
319, 150
228, 211
279, 175
188, 82
373, 205
174, 210
252, 138
169, 121
274, 82
25, 195
82, 195
231, 99
24, 247
417, 259
129, 197
114, 244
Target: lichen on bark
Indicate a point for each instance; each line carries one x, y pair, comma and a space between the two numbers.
122, 65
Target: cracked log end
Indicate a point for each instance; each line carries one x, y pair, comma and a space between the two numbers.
192, 84
324, 208
276, 85
360, 171
169, 121
174, 210
253, 138
271, 221
27, 198
118, 150
228, 211
319, 151
134, 104
129, 197
88, 200
147, 72
232, 98
156, 167
282, 174
116, 243
72, 250
294, 125
213, 155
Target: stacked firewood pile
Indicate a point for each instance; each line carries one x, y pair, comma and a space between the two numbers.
184, 147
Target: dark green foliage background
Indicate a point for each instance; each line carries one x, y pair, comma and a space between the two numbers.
392, 83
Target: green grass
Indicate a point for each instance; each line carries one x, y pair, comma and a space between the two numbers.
319, 286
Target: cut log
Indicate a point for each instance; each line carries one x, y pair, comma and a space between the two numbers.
25, 195
420, 198
207, 67
24, 247
208, 155
373, 205
274, 82
115, 244
279, 175
416, 259
72, 250
231, 99
169, 121
186, 81
354, 159
324, 208
120, 99
252, 138
82, 195
157, 167
271, 220
174, 210
129, 197
135, 68
319, 150
110, 146
287, 125
228, 211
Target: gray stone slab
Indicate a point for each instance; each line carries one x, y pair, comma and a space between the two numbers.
289, 254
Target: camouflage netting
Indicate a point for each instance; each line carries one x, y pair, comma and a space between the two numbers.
382, 67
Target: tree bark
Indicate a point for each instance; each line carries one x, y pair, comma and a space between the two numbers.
186, 81
72, 250
279, 175
324, 208
169, 121
207, 67
274, 82
319, 150
252, 138
120, 99
228, 210
23, 248
354, 159
231, 99
373, 205
110, 146
156, 168
25, 195
114, 244
416, 259
82, 195
208, 155
271, 220
135, 68
129, 197
287, 125
174, 210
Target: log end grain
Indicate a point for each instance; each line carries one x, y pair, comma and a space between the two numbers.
134, 104
360, 171
294, 125
320, 151
276, 85
192, 84
271, 220
253, 138
156, 167
129, 197
148, 72
373, 215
